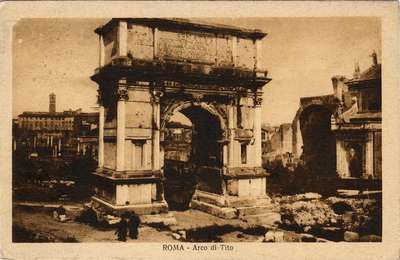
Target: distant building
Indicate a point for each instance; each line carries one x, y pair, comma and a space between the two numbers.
341, 134
55, 133
44, 132
268, 144
178, 141
52, 103
86, 132
358, 123
285, 131
277, 143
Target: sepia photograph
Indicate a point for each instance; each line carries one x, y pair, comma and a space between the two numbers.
180, 130
197, 130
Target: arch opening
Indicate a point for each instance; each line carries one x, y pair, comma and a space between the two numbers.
192, 154
319, 146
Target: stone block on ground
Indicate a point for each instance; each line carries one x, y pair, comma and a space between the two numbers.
271, 219
164, 219
307, 228
307, 213
322, 240
255, 210
112, 220
351, 236
274, 236
371, 238
307, 238
330, 233
176, 236
250, 202
182, 233
341, 207
310, 196
222, 212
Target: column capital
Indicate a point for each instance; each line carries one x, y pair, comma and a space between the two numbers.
156, 95
369, 137
258, 99
232, 100
122, 90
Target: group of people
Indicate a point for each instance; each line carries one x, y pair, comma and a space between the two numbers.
128, 226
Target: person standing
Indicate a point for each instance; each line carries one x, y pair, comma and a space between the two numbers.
354, 164
122, 229
133, 225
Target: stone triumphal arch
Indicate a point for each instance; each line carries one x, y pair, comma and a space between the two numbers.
151, 68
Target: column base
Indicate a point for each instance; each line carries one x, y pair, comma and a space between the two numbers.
140, 209
222, 212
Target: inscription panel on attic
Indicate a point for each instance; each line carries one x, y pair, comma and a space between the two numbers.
185, 46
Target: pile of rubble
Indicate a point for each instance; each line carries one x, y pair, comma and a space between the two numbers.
333, 218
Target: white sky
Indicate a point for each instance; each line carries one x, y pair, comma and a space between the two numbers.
301, 55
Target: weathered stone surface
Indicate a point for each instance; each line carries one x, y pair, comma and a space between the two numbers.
307, 238
111, 220
351, 236
348, 217
271, 219
274, 236
309, 196
307, 213
227, 213
260, 239
322, 240
341, 207
176, 236
371, 238
165, 219
330, 233
354, 203
306, 228
182, 233
209, 198
170, 222
140, 209
245, 211
239, 202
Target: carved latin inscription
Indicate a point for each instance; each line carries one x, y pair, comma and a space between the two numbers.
187, 46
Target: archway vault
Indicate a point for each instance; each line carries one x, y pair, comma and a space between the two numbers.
319, 144
327, 102
171, 107
196, 163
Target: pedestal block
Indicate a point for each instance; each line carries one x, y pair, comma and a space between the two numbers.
141, 192
244, 196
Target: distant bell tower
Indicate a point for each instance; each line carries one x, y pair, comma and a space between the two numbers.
52, 103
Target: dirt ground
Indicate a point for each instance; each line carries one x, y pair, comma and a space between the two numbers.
36, 224
41, 222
